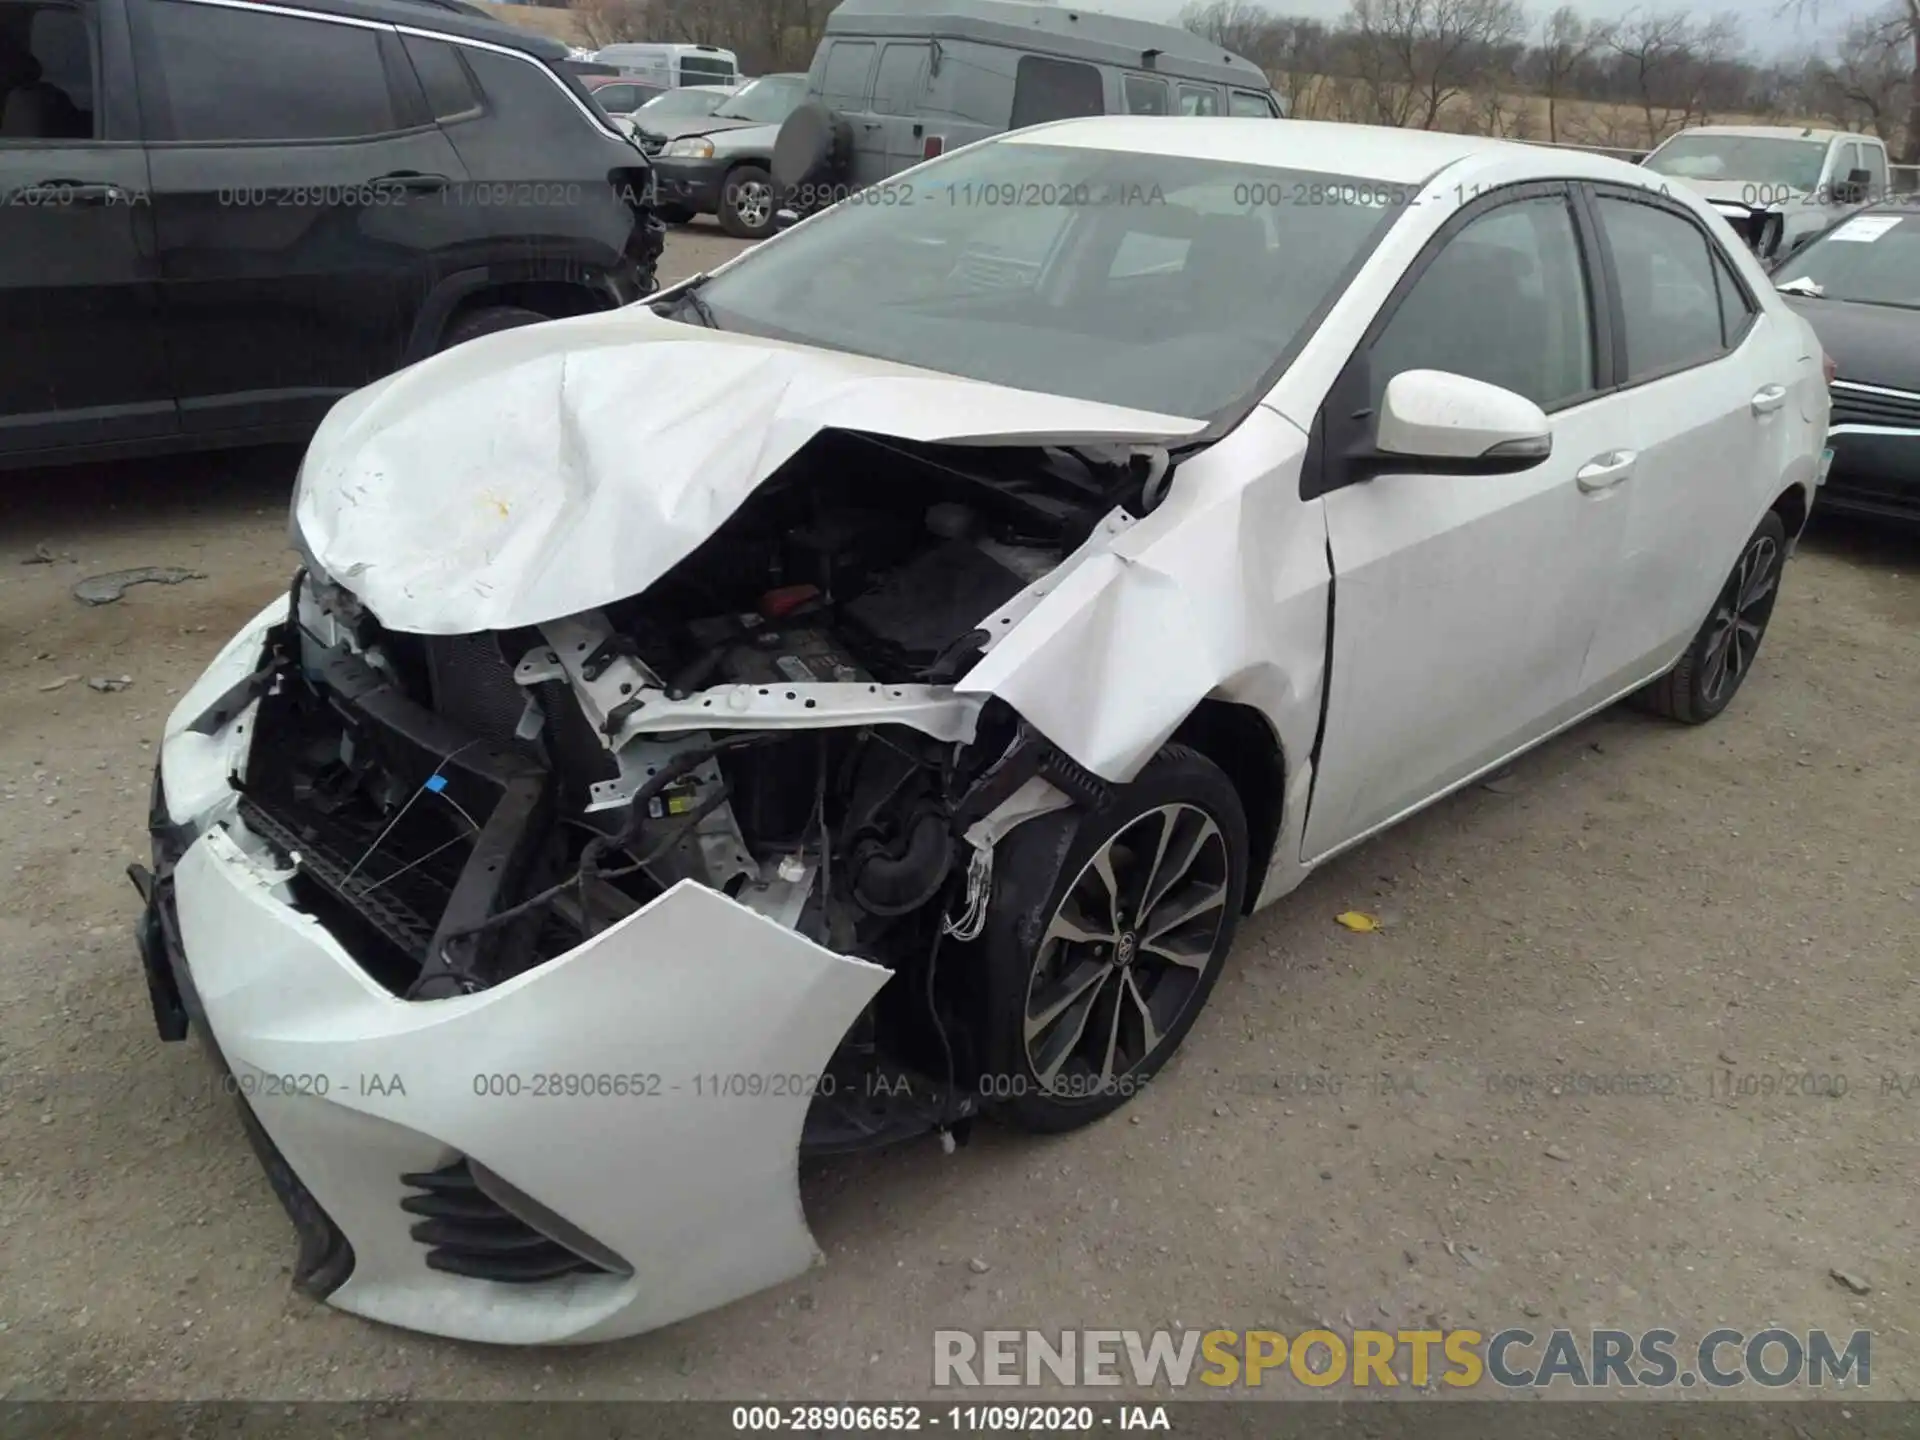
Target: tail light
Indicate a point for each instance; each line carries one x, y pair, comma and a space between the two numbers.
933, 146
1829, 370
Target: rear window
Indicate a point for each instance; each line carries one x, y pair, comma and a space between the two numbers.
443, 75
1046, 89
706, 70
843, 83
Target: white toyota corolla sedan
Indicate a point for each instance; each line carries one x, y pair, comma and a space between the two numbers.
861, 689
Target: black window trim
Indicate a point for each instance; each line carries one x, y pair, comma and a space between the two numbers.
1351, 391
1599, 190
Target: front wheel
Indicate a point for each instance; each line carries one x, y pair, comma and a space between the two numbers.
747, 203
1721, 656
1106, 934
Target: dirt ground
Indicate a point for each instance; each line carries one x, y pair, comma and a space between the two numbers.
1709, 906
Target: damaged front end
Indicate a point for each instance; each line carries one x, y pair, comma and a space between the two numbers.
774, 720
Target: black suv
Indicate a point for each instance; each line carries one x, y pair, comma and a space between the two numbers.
218, 217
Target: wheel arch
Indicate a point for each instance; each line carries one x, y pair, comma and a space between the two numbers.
1242, 742
555, 293
1792, 506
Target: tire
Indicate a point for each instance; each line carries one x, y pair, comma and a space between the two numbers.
810, 155
747, 203
488, 320
1048, 879
1721, 656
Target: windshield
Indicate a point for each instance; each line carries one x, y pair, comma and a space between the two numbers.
1756, 159
1873, 259
1158, 282
682, 102
766, 101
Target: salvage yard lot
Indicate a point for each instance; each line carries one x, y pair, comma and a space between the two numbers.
1445, 1122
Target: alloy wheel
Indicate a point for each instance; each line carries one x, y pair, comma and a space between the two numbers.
753, 203
1740, 618
1126, 950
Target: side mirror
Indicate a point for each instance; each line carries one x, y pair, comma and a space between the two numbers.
785, 219
1433, 420
1854, 191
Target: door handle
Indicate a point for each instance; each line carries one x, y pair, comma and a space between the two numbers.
413, 180
1603, 472
60, 194
1769, 398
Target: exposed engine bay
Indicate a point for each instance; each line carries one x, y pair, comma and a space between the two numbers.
461, 809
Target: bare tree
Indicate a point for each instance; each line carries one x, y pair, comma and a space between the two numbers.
1567, 46
1414, 57
608, 22
1676, 69
1899, 26
1868, 84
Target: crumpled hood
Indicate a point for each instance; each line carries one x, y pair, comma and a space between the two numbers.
557, 468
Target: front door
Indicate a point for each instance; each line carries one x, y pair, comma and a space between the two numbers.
80, 359
1463, 606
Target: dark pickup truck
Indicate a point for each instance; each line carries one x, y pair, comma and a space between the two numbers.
218, 217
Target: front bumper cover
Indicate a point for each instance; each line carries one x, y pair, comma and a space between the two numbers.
643, 1095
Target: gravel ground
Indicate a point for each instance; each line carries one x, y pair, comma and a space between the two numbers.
1738, 900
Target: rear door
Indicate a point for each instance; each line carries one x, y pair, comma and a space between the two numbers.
80, 359
895, 134
300, 190
1463, 605
1711, 378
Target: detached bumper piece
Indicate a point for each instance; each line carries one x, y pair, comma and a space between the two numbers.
470, 1227
326, 1256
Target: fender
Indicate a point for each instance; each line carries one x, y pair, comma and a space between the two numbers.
452, 290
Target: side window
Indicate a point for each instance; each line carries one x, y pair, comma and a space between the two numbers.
706, 70
1736, 310
1199, 100
1505, 301
253, 75
1248, 106
1146, 95
843, 84
46, 74
901, 81
1667, 288
451, 93
1047, 89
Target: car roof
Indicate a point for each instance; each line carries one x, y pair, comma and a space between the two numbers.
1048, 28
1767, 132
1371, 152
450, 17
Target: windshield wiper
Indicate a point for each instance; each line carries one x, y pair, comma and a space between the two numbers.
1801, 285
688, 297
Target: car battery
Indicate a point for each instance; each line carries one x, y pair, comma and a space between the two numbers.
803, 656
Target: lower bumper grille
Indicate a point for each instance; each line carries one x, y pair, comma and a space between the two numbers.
468, 1232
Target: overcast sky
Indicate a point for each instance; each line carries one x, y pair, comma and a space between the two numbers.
1767, 30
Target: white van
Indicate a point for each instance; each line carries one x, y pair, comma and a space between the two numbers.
671, 66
